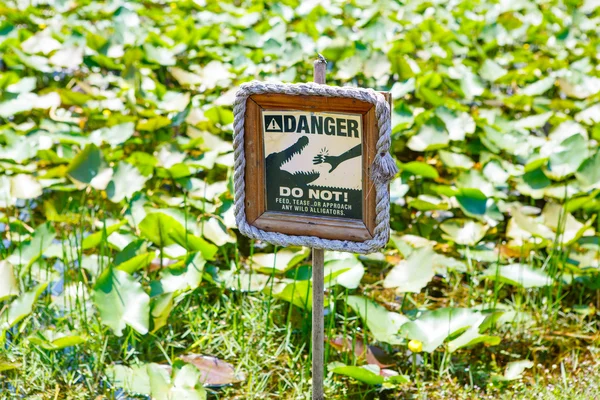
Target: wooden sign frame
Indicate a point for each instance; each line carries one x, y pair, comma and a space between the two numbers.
333, 228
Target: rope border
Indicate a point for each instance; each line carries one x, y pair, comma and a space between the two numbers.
383, 168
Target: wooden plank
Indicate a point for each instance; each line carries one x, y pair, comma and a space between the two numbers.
326, 228
255, 164
370, 137
271, 101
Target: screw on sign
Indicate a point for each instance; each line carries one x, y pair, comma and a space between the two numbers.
312, 168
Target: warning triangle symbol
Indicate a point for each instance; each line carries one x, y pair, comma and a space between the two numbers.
273, 126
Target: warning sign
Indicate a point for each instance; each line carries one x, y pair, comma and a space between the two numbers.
313, 163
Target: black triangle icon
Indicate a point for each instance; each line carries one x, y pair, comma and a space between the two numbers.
273, 126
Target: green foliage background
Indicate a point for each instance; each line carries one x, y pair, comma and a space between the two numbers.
116, 203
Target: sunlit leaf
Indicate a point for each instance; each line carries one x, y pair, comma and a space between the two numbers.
20, 307
464, 231
121, 301
518, 274
278, 262
412, 274
29, 250
432, 328
383, 324
8, 283
87, 164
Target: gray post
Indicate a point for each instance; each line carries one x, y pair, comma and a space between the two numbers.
318, 283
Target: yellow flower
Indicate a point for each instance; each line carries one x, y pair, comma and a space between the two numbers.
415, 346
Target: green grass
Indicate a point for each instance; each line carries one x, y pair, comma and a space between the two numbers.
116, 191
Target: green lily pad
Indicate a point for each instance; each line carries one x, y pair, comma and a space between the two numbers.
432, 328
9, 286
383, 324
126, 181
20, 307
121, 302
514, 370
164, 230
419, 169
463, 231
93, 240
86, 165
429, 137
25, 187
455, 160
53, 340
412, 274
30, 250
184, 275
588, 173
519, 275
458, 124
346, 272
566, 157
113, 135
278, 262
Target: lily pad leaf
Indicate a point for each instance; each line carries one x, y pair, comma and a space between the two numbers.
278, 262
165, 230
370, 374
93, 240
429, 137
87, 165
472, 201
588, 173
352, 271
566, 158
432, 328
213, 230
32, 249
126, 181
519, 275
565, 226
53, 340
412, 274
491, 71
463, 231
458, 124
25, 187
121, 301
132, 379
160, 309
455, 160
539, 87
298, 293
8, 283
383, 324
514, 370
420, 169
113, 135
184, 275
21, 307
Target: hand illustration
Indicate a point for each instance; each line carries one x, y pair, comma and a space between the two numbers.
325, 159
334, 161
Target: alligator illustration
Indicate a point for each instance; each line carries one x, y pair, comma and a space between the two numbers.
275, 161
277, 177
